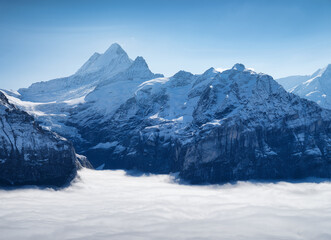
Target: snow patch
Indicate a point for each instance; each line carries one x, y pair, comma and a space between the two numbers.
105, 145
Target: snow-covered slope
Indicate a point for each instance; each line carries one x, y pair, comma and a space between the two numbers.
316, 87
211, 127
109, 95
97, 69
292, 81
52, 102
214, 127
113, 61
30, 154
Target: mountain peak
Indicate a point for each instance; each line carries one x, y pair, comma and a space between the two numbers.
239, 67
139, 66
115, 45
322, 71
139, 70
140, 61
325, 80
115, 48
183, 74
112, 61
327, 68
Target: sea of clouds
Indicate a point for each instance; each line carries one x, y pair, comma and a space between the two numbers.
113, 205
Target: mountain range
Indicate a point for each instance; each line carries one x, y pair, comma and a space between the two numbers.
211, 127
315, 87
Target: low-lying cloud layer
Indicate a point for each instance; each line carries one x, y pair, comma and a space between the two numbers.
112, 205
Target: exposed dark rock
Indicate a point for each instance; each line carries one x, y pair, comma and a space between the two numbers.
244, 126
32, 155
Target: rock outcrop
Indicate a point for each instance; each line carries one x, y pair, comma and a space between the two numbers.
234, 125
30, 154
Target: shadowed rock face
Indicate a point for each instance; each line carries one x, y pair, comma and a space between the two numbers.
230, 153
30, 154
226, 153
243, 126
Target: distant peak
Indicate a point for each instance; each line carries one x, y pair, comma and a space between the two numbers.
139, 65
140, 61
115, 45
183, 74
115, 48
213, 71
239, 67
322, 71
112, 61
210, 70
95, 56
328, 67
139, 70
327, 71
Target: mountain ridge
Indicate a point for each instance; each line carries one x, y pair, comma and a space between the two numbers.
32, 155
315, 87
211, 127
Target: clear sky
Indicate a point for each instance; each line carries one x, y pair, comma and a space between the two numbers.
41, 40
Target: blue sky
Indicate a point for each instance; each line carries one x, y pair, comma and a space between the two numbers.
41, 40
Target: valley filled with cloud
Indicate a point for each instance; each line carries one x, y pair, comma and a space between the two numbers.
113, 205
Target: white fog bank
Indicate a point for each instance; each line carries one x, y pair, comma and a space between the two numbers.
112, 205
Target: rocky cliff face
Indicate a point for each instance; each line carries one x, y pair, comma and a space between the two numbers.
213, 127
216, 127
30, 154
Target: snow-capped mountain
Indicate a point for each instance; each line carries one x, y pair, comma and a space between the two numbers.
292, 81
73, 88
211, 127
30, 154
214, 127
52, 101
113, 61
315, 87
